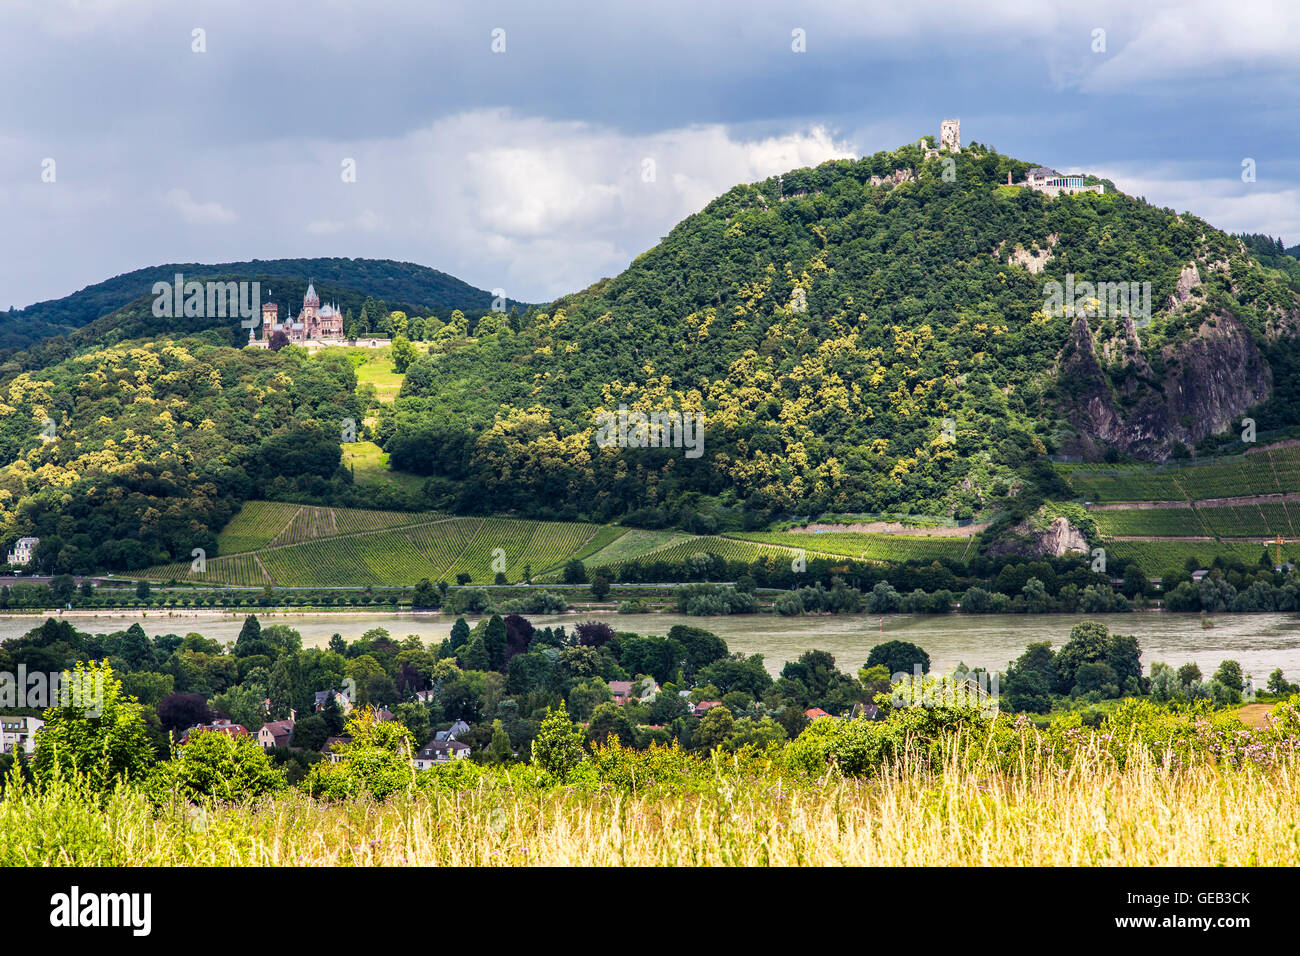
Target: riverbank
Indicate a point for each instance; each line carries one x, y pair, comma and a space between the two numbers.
1259, 642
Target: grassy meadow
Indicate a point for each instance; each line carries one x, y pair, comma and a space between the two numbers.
1088, 812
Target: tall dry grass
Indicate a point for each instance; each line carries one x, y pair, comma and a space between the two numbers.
1089, 812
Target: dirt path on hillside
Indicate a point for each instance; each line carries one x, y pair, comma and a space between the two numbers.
1200, 503
892, 527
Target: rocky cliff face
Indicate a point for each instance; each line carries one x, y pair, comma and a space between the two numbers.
1058, 539
1202, 387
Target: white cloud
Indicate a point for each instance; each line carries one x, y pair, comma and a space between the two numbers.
1168, 42
536, 206
1271, 204
525, 170
199, 213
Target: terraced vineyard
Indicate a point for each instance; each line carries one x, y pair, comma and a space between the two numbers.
541, 545
241, 570
442, 541
1155, 557
868, 546
308, 546
261, 524
1263, 519
255, 526
600, 541
1141, 522
290, 545
381, 557
1268, 471
732, 549
634, 544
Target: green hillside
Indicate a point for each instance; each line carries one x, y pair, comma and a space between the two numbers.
863, 337
827, 322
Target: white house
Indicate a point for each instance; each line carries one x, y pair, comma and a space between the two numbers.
23, 551
1049, 181
18, 734
440, 751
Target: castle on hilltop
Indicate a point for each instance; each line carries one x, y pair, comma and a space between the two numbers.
315, 321
1039, 178
950, 135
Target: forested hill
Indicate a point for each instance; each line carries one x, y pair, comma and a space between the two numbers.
422, 289
829, 320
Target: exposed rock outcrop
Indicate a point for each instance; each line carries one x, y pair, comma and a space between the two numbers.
1202, 388
1058, 539
1034, 261
1188, 280
894, 178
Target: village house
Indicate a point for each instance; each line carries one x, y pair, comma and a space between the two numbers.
23, 552
705, 706
625, 690
440, 751
340, 698
452, 732
18, 734
812, 713
275, 733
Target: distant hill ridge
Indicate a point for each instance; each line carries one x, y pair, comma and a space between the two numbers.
401, 283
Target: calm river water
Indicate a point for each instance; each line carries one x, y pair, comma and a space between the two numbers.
1259, 642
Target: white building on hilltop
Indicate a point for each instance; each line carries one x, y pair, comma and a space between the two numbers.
23, 551
1044, 180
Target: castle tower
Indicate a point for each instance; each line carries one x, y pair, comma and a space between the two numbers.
270, 318
310, 308
950, 135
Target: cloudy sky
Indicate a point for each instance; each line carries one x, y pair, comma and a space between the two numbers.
511, 142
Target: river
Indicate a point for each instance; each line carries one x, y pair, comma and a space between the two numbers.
1259, 642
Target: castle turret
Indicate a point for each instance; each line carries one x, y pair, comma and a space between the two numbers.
270, 318
950, 135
